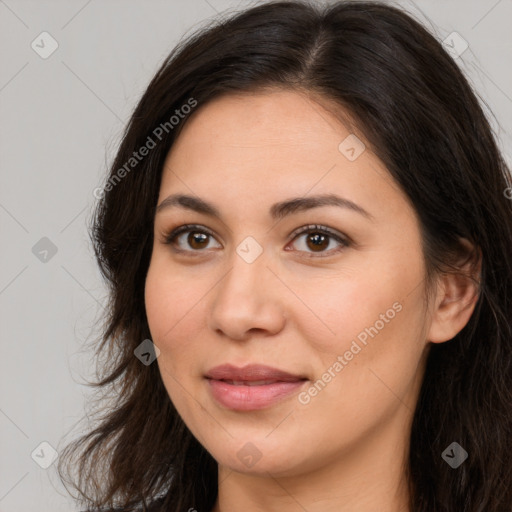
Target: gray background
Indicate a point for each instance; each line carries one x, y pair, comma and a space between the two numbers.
61, 121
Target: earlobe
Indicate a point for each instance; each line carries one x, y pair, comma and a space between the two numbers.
456, 299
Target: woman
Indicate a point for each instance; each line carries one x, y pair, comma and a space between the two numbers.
307, 237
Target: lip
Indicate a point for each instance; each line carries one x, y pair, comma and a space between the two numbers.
251, 372
251, 387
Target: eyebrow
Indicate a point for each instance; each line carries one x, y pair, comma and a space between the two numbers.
277, 211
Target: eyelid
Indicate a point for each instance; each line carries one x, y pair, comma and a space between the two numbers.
318, 227
189, 227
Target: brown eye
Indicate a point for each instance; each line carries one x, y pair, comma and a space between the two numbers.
317, 239
197, 239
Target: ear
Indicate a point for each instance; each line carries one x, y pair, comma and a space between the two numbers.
457, 295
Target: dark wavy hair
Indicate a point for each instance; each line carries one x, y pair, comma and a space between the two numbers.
407, 96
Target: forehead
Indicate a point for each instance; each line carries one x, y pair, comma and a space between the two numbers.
244, 149
259, 131
262, 115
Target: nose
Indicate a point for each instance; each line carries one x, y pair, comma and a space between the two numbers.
249, 299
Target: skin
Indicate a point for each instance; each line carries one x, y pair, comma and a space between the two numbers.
293, 309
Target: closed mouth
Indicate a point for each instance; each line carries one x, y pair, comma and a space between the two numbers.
256, 382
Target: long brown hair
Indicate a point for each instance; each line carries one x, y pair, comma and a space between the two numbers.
422, 119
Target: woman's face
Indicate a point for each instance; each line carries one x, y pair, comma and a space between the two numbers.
249, 285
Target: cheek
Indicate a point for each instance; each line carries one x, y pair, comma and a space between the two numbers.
173, 309
368, 314
169, 299
378, 320
340, 308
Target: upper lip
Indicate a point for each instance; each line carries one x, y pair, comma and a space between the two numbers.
251, 372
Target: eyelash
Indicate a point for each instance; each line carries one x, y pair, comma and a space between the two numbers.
170, 237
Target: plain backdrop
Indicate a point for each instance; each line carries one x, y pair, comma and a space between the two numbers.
61, 120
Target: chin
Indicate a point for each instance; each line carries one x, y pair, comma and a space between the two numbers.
257, 457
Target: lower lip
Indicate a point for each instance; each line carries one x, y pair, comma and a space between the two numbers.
250, 398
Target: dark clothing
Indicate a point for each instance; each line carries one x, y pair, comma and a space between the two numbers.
155, 506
